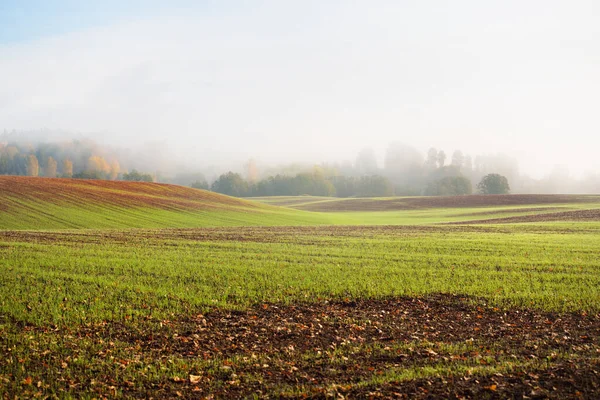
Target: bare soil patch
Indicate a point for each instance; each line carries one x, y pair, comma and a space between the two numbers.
578, 215
511, 211
326, 349
274, 234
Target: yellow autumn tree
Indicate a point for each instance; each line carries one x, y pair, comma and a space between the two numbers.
98, 164
115, 168
67, 168
51, 168
11, 152
33, 166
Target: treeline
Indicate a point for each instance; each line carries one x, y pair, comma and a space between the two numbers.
403, 171
71, 159
314, 184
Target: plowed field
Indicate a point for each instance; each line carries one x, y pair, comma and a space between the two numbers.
578, 215
83, 192
43, 203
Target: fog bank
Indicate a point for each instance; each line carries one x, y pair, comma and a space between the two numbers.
218, 83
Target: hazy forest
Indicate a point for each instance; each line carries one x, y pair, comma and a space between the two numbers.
405, 171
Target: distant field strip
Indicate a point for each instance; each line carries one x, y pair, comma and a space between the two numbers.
329, 204
475, 209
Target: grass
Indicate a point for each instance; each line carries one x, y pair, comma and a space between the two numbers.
50, 216
42, 216
42, 203
332, 204
62, 278
341, 303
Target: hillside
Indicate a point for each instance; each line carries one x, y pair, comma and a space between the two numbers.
44, 203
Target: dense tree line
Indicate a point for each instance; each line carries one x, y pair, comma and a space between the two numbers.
314, 184
363, 186
449, 186
136, 176
405, 172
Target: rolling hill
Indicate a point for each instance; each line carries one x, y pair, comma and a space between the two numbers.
54, 203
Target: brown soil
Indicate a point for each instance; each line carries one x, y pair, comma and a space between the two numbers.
274, 234
578, 215
412, 203
295, 345
510, 211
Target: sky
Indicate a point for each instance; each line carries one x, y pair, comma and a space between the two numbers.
307, 80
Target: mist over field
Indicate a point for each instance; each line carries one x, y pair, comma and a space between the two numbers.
206, 88
404, 171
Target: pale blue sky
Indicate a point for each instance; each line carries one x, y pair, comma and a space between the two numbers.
23, 20
310, 80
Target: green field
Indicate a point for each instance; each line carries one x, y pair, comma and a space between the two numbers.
347, 303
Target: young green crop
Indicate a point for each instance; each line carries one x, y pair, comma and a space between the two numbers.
65, 277
102, 313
